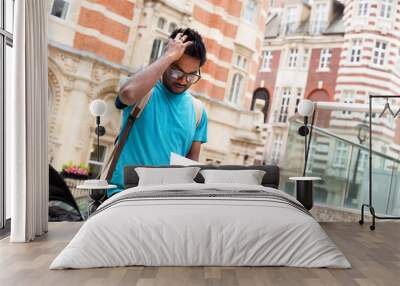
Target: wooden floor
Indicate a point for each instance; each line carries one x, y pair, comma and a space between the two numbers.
375, 256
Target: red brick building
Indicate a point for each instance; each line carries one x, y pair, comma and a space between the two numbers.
93, 43
329, 50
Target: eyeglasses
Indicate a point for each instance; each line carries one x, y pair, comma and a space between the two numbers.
178, 74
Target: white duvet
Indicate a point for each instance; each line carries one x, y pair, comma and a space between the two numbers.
208, 230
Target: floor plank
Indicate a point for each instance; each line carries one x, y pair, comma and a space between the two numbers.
374, 255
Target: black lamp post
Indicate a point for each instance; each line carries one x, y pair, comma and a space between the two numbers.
305, 109
98, 108
362, 135
304, 185
100, 131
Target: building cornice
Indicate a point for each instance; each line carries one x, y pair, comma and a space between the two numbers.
90, 56
304, 40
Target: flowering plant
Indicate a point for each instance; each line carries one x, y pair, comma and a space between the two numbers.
72, 170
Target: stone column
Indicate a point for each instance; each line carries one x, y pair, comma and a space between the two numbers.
74, 116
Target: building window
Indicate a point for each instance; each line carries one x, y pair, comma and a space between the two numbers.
364, 157
161, 23
157, 49
276, 149
244, 63
386, 8
306, 58
398, 60
325, 59
238, 60
347, 97
374, 115
379, 53
320, 22
95, 163
298, 97
291, 20
236, 87
7, 63
341, 155
292, 61
60, 9
355, 51
241, 61
250, 10
362, 8
266, 60
284, 108
172, 27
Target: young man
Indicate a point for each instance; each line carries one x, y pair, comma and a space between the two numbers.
168, 121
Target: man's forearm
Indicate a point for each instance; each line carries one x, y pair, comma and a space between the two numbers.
193, 156
194, 152
143, 81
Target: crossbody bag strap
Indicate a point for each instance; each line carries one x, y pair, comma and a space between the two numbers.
119, 144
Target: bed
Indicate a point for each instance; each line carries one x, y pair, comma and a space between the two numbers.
201, 224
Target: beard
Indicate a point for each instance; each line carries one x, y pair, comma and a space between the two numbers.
174, 86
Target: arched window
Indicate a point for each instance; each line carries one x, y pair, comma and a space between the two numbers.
172, 27
236, 87
161, 23
324, 116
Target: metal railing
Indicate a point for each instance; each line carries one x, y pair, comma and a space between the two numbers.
340, 157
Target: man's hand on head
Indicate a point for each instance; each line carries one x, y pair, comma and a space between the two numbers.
176, 47
143, 81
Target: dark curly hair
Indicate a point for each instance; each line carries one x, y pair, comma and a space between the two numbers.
197, 49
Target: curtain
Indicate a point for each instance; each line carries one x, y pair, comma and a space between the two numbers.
26, 119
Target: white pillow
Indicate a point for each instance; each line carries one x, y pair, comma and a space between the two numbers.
248, 177
176, 159
163, 176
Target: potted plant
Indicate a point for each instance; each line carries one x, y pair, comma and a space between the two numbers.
74, 171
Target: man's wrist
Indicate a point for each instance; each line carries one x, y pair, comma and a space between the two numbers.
168, 58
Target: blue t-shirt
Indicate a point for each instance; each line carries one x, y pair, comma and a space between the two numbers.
167, 124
